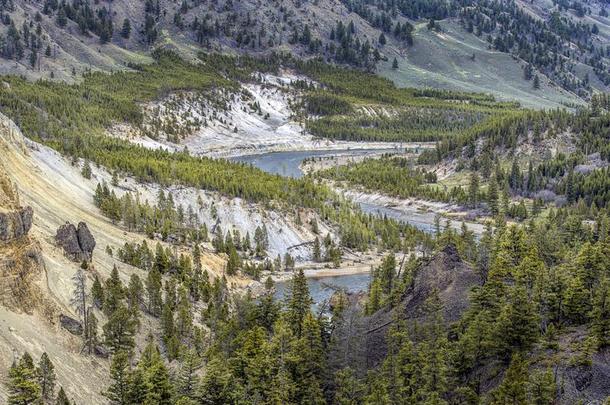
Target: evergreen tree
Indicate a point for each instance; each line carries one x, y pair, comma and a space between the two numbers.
46, 378
218, 385
298, 301
23, 386
473, 190
187, 378
118, 390
79, 295
62, 398
114, 292
542, 388
153, 290
317, 255
97, 292
126, 29
536, 84
513, 389
90, 332
119, 331
492, 196
382, 40
600, 314
349, 389
86, 171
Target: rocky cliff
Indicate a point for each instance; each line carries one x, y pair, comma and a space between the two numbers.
21, 262
445, 274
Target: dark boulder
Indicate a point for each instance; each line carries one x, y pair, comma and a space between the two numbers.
67, 239
78, 244
71, 325
101, 351
85, 240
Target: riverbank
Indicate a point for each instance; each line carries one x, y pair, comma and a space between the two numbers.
407, 150
419, 213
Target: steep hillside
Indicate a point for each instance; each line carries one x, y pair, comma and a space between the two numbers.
456, 60
62, 40
36, 283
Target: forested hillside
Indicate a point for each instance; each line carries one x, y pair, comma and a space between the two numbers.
564, 42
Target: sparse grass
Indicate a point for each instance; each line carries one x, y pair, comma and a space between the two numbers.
444, 61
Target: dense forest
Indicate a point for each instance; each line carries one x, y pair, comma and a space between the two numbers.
538, 283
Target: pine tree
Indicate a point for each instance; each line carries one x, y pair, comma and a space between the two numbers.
309, 351
234, 262
46, 377
473, 190
138, 386
375, 299
160, 389
513, 388
119, 331
395, 64
536, 84
542, 388
126, 29
218, 385
79, 296
350, 390
187, 378
114, 292
492, 196
62, 398
317, 254
86, 171
90, 333
135, 292
382, 40
517, 324
600, 314
23, 384
153, 290
97, 292
298, 302
118, 390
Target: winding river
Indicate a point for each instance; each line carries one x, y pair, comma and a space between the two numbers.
288, 164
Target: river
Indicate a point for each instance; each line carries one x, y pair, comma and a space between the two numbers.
319, 287
288, 164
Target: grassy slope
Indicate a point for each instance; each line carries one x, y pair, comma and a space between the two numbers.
443, 60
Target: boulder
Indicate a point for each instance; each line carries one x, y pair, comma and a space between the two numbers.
101, 351
78, 244
85, 240
71, 325
67, 238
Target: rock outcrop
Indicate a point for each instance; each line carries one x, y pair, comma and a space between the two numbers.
77, 243
71, 325
15, 224
445, 274
21, 262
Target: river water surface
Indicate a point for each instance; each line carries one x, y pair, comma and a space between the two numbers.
288, 164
